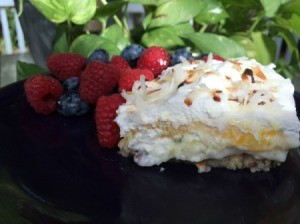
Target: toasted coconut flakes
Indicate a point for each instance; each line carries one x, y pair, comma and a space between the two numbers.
191, 76
188, 102
230, 89
233, 99
191, 73
210, 73
259, 73
246, 73
237, 65
152, 91
180, 85
217, 98
273, 89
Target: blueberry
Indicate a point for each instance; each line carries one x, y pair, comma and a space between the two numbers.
70, 104
71, 84
98, 55
182, 52
132, 53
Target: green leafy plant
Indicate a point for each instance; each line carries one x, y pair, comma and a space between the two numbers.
229, 28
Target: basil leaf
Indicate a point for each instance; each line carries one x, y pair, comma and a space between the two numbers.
290, 7
117, 35
265, 48
109, 10
247, 43
217, 44
54, 10
149, 2
58, 11
240, 15
147, 20
174, 12
290, 40
165, 37
287, 71
184, 28
295, 23
81, 11
270, 6
25, 70
292, 23
287, 35
61, 44
87, 43
213, 12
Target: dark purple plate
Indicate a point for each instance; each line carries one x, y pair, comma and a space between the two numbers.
54, 171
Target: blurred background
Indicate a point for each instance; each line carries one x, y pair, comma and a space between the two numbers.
12, 43
28, 35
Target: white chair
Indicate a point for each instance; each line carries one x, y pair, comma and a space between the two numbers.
132, 10
9, 5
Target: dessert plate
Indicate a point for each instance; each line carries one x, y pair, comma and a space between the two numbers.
52, 170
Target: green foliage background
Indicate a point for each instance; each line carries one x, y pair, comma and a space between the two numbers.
229, 28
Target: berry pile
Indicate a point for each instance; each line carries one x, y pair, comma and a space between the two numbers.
76, 84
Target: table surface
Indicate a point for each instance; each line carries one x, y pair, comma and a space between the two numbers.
51, 171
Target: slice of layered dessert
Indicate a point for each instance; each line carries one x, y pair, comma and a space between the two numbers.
234, 114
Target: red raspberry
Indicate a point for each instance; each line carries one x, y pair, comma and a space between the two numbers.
42, 93
108, 131
66, 65
155, 59
129, 76
119, 62
215, 57
97, 80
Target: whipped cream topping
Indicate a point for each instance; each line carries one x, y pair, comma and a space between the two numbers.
237, 92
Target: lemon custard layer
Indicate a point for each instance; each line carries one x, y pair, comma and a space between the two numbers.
234, 114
